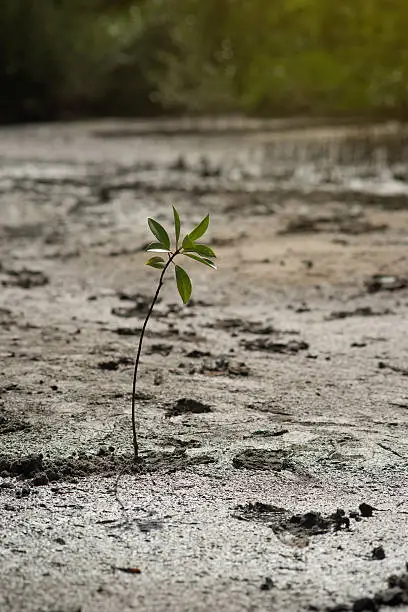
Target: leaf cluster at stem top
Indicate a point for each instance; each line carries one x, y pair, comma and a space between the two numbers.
189, 247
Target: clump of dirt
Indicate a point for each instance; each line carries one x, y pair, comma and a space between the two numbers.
113, 364
266, 344
224, 366
394, 596
24, 466
127, 331
6, 315
26, 279
261, 459
282, 521
186, 405
178, 443
313, 523
382, 365
267, 433
366, 510
41, 471
385, 282
173, 462
378, 553
258, 511
9, 423
197, 354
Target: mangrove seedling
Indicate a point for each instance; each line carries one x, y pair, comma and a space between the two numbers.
187, 247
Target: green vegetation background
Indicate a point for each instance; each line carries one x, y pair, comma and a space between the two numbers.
67, 58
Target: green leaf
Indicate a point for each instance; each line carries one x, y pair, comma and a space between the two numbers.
156, 262
202, 260
160, 233
183, 284
157, 247
177, 225
200, 229
188, 243
202, 249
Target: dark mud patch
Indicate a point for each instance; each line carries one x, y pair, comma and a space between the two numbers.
185, 405
267, 433
126, 312
127, 331
6, 316
179, 443
236, 325
160, 348
196, 354
137, 298
382, 365
26, 279
251, 327
139, 305
267, 406
41, 471
266, 344
261, 459
364, 311
352, 224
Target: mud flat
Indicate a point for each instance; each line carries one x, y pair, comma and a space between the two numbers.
272, 410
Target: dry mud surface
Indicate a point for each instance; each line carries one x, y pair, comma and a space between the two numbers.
272, 410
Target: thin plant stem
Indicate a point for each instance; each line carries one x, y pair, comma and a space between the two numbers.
139, 350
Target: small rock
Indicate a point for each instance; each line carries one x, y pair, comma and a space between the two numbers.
10, 508
187, 406
391, 597
22, 492
378, 553
267, 584
366, 510
158, 378
393, 580
365, 604
40, 479
108, 365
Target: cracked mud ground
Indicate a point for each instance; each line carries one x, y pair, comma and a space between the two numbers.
272, 411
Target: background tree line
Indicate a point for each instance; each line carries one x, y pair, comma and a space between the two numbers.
67, 58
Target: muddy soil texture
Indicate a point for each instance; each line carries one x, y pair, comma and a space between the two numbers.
272, 410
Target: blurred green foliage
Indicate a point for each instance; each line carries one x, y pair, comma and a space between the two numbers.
62, 57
